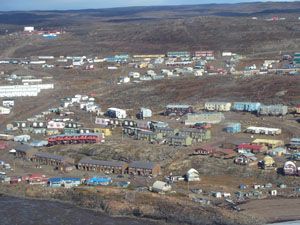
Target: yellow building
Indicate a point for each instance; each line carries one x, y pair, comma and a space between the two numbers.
106, 131
268, 142
268, 162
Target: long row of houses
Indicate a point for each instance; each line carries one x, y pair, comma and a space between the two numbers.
272, 110
64, 163
174, 137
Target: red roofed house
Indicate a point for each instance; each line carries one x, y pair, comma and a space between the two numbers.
36, 178
254, 148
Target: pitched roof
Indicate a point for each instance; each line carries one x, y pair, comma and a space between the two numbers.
23, 148
142, 164
49, 156
102, 162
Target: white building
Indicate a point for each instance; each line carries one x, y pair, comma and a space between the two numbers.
4, 110
192, 175
8, 103
55, 125
116, 113
28, 29
263, 130
23, 90
218, 106
160, 186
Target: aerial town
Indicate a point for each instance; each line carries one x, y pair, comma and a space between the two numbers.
72, 124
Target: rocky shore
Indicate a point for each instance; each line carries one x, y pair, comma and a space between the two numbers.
165, 209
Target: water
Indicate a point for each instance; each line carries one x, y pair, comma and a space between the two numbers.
288, 223
17, 211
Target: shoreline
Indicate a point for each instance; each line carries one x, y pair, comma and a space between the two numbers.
79, 207
104, 201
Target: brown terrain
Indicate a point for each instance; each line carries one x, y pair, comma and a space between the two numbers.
158, 30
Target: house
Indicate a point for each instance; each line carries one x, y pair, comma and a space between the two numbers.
115, 167
245, 159
263, 130
20, 124
39, 143
66, 182
36, 178
22, 138
291, 168
204, 150
295, 156
269, 142
192, 175
217, 106
273, 110
177, 140
144, 113
160, 186
8, 103
279, 151
130, 131
233, 128
116, 113
210, 117
49, 159
268, 163
294, 143
179, 54
102, 181
166, 131
55, 125
144, 168
25, 151
177, 109
106, 131
4, 110
198, 135
254, 148
146, 135
246, 106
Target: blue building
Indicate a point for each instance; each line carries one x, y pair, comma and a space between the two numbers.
233, 128
64, 182
95, 181
246, 106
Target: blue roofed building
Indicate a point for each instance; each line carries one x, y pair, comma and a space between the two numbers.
95, 181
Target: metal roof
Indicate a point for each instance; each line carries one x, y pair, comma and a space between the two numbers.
102, 163
142, 164
23, 148
49, 156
